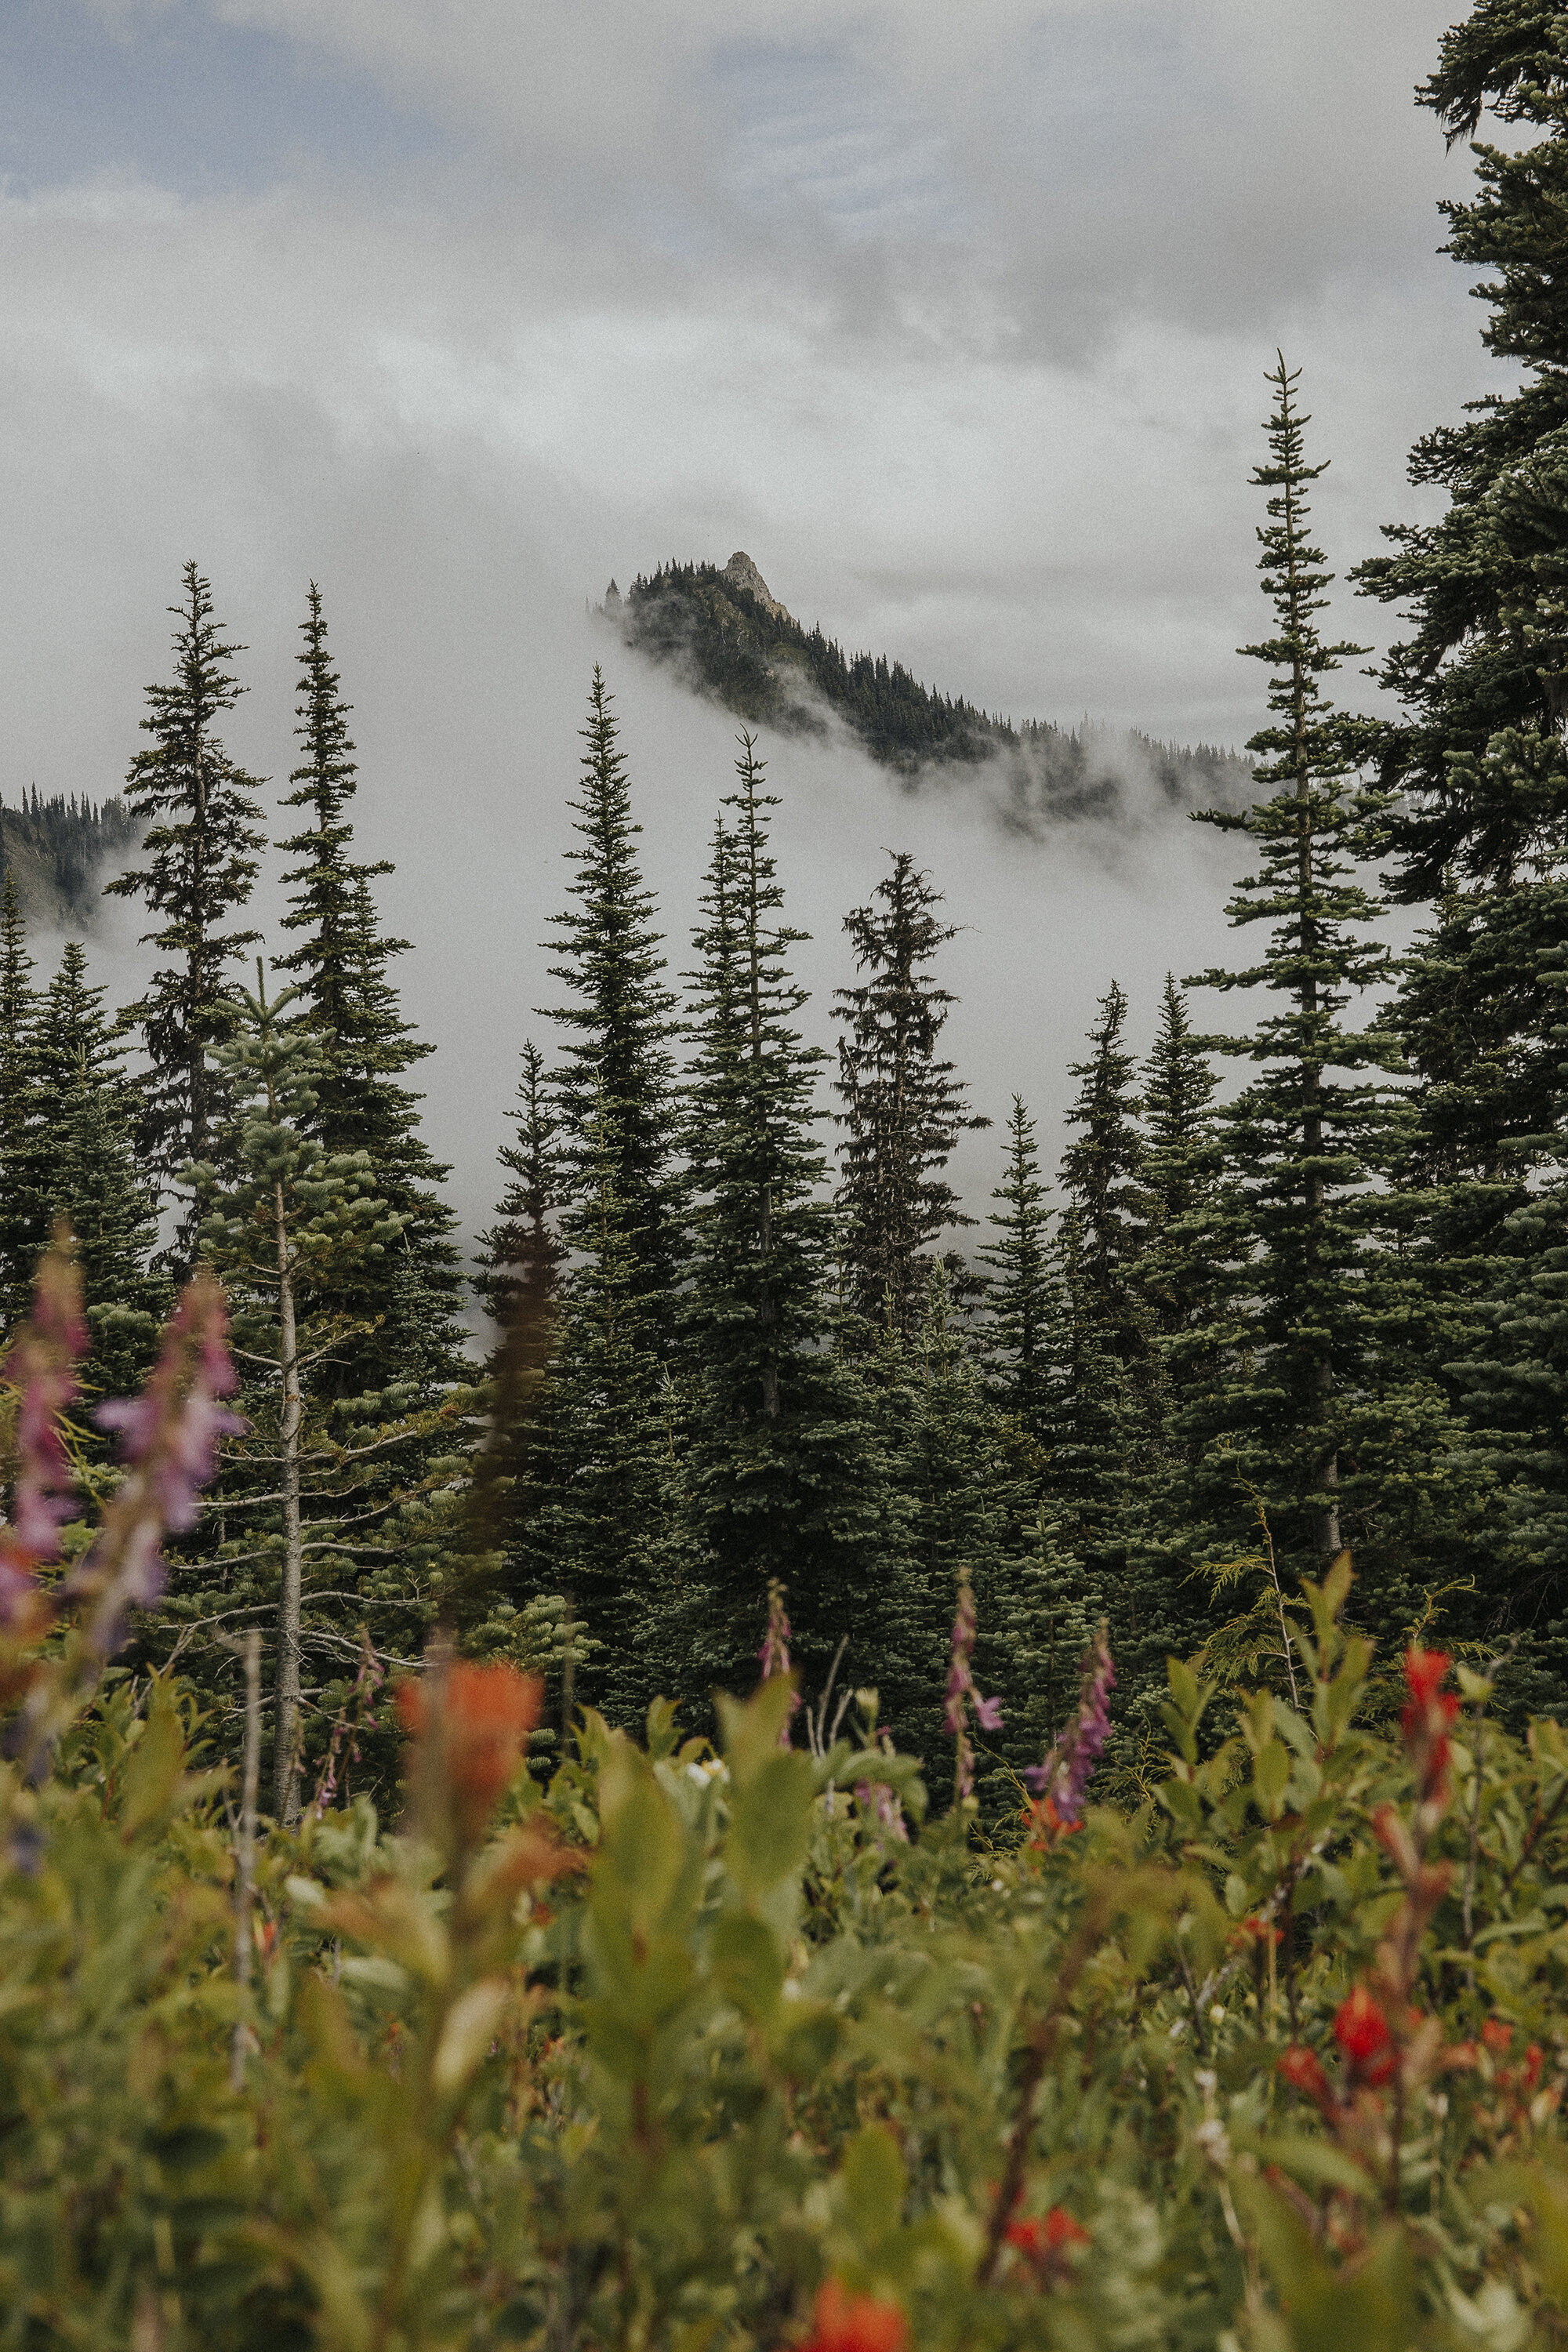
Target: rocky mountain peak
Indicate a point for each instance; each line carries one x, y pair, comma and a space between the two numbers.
742, 572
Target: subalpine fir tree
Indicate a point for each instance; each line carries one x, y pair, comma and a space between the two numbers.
1513, 1381
1282, 1425
1478, 755
1178, 1122
291, 1236
202, 814
600, 1537
1103, 1176
903, 1108
323, 905
89, 1175
1181, 1269
616, 1082
410, 1339
22, 1227
520, 1275
1481, 827
780, 1467
519, 1284
1023, 1302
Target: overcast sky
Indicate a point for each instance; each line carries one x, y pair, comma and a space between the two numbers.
954, 316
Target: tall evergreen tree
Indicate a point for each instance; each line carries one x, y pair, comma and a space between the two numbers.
617, 1085
1478, 754
520, 1276
1178, 1124
410, 1333
520, 1286
1103, 1175
325, 904
328, 1519
1480, 830
89, 1175
22, 1230
903, 1108
1022, 1300
599, 1535
202, 814
1182, 1271
1302, 1136
780, 1469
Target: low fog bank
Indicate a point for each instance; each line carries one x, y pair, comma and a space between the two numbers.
455, 593
467, 794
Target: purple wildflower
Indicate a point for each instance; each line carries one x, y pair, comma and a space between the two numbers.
168, 1439
40, 1365
1068, 1767
877, 1800
962, 1694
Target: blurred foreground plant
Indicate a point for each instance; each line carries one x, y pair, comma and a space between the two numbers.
690, 2050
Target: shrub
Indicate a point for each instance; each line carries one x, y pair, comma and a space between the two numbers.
697, 2052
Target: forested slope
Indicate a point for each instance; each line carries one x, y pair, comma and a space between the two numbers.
57, 850
734, 643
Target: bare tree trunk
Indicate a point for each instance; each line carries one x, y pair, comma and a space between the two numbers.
286, 1757
245, 1869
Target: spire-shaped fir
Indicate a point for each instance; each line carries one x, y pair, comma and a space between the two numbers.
1303, 1137
1023, 1301
903, 1107
201, 848
518, 1285
411, 1337
1102, 1177
1189, 1244
616, 1084
325, 904
89, 1173
781, 1474
520, 1276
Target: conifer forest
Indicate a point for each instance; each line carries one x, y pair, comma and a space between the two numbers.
775, 1753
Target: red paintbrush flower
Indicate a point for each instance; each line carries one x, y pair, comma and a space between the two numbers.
1303, 2070
1362, 2032
842, 2322
473, 1722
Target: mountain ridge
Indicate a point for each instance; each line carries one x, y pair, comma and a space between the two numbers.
734, 643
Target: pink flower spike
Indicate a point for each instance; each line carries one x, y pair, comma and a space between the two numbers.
962, 1694
774, 1655
168, 1438
41, 1364
1068, 1769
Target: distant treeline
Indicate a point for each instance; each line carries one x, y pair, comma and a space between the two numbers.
769, 669
56, 847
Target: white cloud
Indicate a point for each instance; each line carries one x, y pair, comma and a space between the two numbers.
954, 317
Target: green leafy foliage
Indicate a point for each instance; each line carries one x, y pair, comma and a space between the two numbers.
678, 2045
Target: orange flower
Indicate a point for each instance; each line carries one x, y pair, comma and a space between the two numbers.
474, 1732
842, 2322
1496, 2036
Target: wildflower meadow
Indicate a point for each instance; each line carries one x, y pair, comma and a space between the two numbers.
707, 2046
